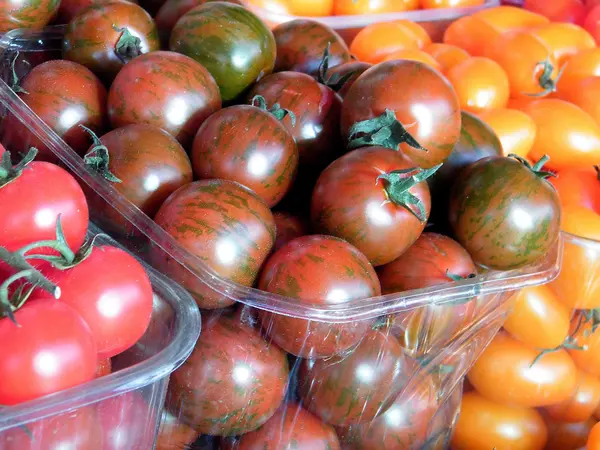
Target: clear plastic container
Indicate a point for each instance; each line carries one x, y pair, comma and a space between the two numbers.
435, 21
448, 326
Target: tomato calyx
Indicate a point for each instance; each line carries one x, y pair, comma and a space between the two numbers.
397, 185
258, 101
15, 83
537, 167
384, 130
326, 79
128, 46
8, 172
98, 158
569, 344
545, 80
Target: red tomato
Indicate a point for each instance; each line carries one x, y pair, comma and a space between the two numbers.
568, 436
52, 349
593, 442
579, 187
288, 228
584, 93
592, 23
572, 11
581, 406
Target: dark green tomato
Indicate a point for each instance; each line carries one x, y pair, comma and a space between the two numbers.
477, 141
317, 110
26, 14
232, 383
504, 214
97, 37
320, 271
249, 145
336, 75
225, 225
234, 45
355, 388
301, 45
166, 90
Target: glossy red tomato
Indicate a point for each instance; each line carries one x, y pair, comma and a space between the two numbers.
26, 14
166, 90
592, 22
52, 349
582, 404
289, 227
64, 95
363, 198
70, 8
355, 388
233, 382
417, 98
35, 199
317, 270
249, 145
573, 11
291, 427
226, 225
105, 37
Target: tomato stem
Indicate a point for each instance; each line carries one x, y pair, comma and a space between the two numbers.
258, 101
15, 84
569, 344
325, 78
128, 46
98, 158
537, 167
8, 172
545, 80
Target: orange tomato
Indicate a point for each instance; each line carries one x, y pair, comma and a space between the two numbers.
524, 57
564, 40
521, 103
515, 129
565, 132
584, 93
538, 318
568, 436
447, 55
483, 425
579, 187
414, 55
433, 4
420, 33
587, 337
471, 34
312, 8
593, 441
582, 65
581, 406
511, 18
353, 7
507, 372
572, 11
376, 41
480, 84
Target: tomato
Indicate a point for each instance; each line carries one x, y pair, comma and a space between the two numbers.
204, 34
507, 372
568, 436
301, 45
226, 225
354, 7
317, 110
288, 227
538, 318
52, 349
582, 65
432, 260
586, 344
106, 36
515, 129
173, 434
418, 30
581, 406
76, 429
579, 186
564, 40
415, 55
103, 368
484, 424
337, 73
70, 8
403, 425
233, 382
312, 8
585, 94
64, 95
471, 34
446, 55
35, 199
249, 145
593, 442
592, 23
569, 135
355, 388
291, 427
480, 84
356, 199
27, 14
507, 18
165, 90
317, 270
422, 101
431, 4
504, 213
374, 42
558, 10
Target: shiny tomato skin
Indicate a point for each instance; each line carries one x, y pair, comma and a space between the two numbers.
320, 270
584, 64
70, 8
381, 230
337, 390
515, 129
498, 207
27, 14
377, 40
564, 40
585, 94
446, 55
226, 225
289, 227
301, 44
36, 199
581, 406
356, 68
505, 373
593, 442
249, 145
579, 187
591, 23
233, 382
317, 110
572, 11
291, 427
484, 424
64, 95
166, 90
422, 100
55, 350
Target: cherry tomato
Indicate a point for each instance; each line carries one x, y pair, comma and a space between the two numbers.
510, 18
52, 349
431, 4
568, 436
480, 84
579, 187
471, 34
586, 348
564, 40
582, 65
174, 434
419, 31
538, 318
592, 22
507, 372
446, 55
320, 270
572, 11
566, 133
581, 406
593, 442
415, 55
484, 424
312, 8
515, 129
584, 93
353, 7
289, 227
376, 41
26, 14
